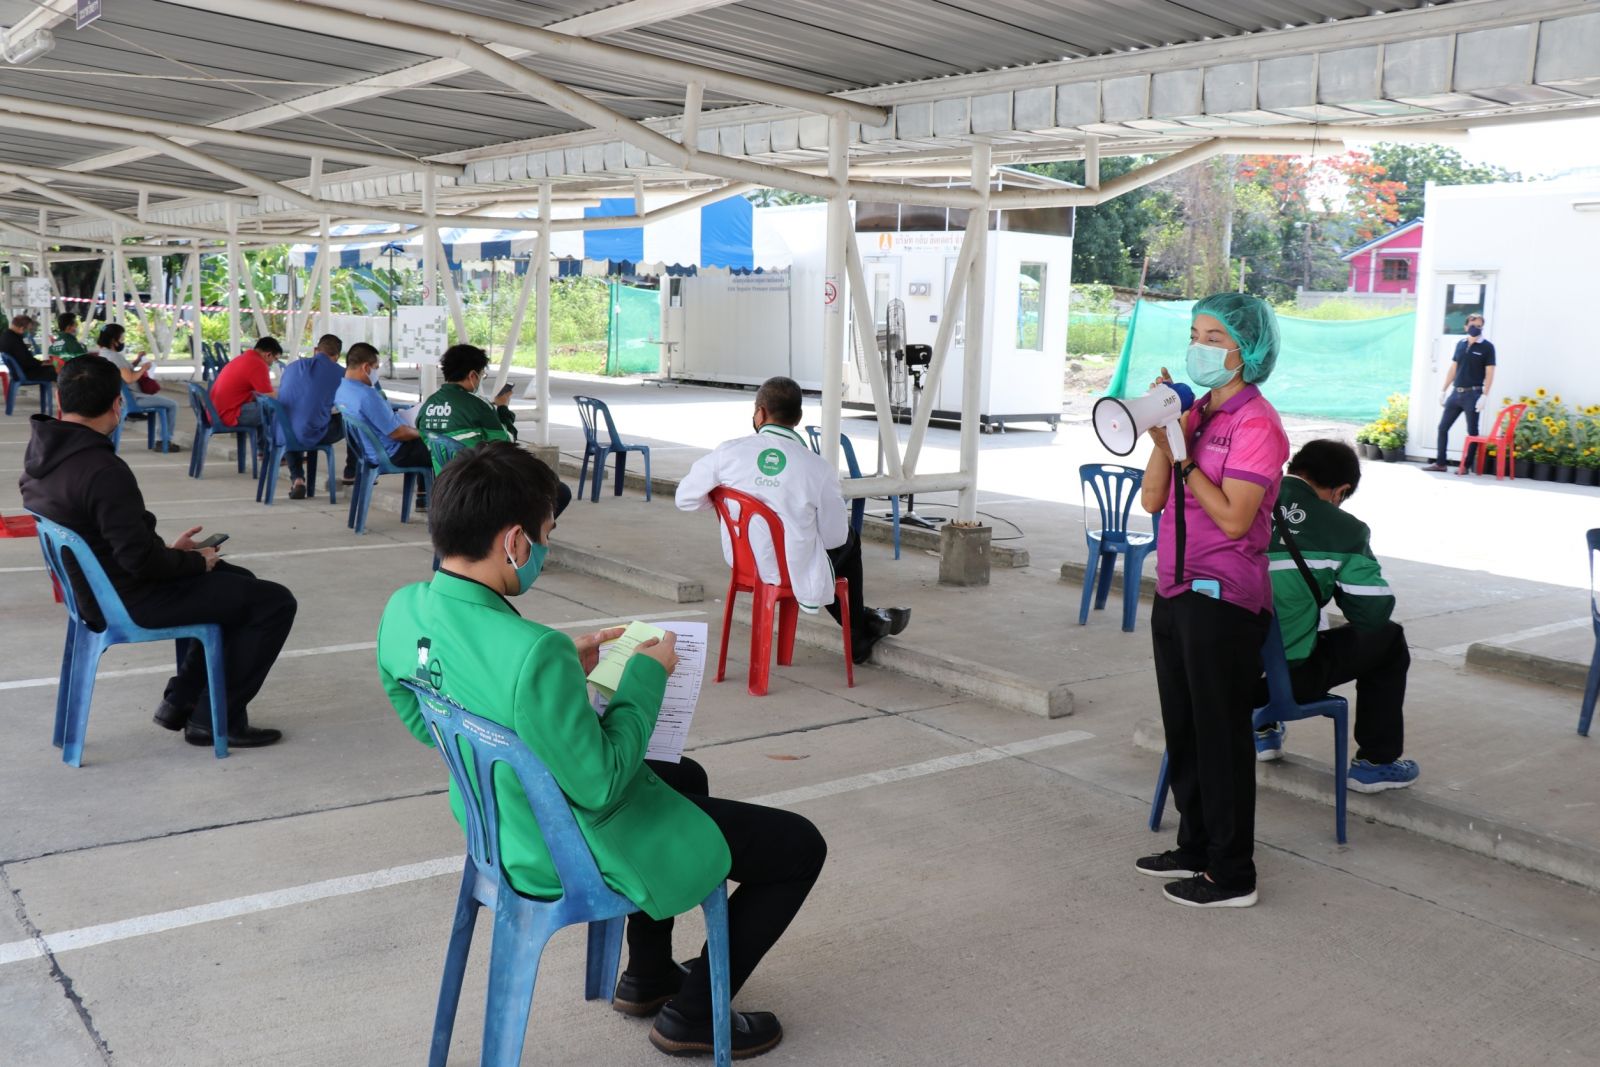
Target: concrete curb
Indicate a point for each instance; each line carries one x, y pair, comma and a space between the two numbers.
673, 587
1515, 843
876, 530
1529, 666
967, 677
1074, 571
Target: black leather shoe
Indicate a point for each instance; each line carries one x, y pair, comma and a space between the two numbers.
897, 619
171, 717
297, 491
249, 737
754, 1032
862, 638
642, 997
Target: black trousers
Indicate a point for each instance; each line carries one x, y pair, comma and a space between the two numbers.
333, 435
255, 616
1377, 661
1455, 405
777, 856
847, 564
1208, 657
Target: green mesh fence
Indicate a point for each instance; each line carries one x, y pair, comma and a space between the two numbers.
1335, 370
635, 319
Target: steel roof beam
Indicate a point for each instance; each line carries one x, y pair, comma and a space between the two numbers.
429, 41
602, 57
124, 184
67, 114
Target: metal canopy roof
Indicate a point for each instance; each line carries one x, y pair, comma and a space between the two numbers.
370, 102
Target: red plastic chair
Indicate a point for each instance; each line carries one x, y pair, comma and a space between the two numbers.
1502, 437
768, 599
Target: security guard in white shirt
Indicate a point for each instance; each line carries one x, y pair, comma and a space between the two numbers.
776, 467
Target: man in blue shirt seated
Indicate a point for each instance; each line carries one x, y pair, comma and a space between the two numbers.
306, 393
357, 395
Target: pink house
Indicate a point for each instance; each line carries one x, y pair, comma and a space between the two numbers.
1388, 262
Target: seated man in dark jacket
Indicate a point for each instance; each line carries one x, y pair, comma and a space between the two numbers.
74, 477
14, 343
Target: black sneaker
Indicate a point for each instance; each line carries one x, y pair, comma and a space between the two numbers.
754, 1032
1201, 892
249, 737
642, 997
1169, 864
297, 491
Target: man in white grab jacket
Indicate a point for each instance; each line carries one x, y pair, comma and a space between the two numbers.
775, 466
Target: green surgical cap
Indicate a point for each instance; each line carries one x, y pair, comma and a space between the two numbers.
1253, 326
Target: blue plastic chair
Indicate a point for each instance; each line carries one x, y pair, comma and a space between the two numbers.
523, 925
372, 460
1115, 489
1591, 690
208, 361
1281, 707
858, 506
85, 645
278, 432
207, 424
592, 411
15, 381
155, 418
443, 448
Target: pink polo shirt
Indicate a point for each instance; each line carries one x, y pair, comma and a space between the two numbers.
1243, 439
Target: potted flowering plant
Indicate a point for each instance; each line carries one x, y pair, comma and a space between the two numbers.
1365, 441
1586, 431
1391, 435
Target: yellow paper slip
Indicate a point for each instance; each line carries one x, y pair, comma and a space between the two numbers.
607, 674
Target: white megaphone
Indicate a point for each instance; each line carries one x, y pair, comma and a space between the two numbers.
1120, 423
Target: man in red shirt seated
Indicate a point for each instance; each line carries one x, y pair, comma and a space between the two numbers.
234, 392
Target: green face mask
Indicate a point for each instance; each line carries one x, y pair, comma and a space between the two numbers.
527, 572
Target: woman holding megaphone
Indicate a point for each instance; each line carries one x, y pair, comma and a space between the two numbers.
1214, 599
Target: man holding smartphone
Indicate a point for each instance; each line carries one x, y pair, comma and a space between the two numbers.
73, 476
456, 410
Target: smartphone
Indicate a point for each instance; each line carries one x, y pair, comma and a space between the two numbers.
213, 541
505, 390
1207, 587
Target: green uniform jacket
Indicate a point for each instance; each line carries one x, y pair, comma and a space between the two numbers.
651, 845
68, 347
455, 412
1336, 547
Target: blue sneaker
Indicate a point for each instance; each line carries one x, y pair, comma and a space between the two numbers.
1269, 742
1367, 777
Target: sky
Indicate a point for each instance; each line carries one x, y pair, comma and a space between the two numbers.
1537, 148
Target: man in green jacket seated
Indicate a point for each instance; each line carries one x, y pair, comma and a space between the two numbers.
457, 410
658, 838
1371, 648
67, 345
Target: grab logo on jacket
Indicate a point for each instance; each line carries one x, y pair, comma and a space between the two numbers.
771, 462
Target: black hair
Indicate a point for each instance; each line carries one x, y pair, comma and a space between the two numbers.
482, 491
781, 399
459, 361
269, 346
65, 320
88, 386
360, 354
110, 334
1327, 465
330, 344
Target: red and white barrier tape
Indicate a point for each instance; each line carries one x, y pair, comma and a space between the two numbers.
162, 307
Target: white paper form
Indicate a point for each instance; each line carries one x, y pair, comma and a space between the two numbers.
682, 695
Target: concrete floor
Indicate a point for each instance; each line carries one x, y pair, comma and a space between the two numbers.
291, 905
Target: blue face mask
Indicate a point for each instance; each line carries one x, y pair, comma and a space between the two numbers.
1474, 330
529, 571
1207, 366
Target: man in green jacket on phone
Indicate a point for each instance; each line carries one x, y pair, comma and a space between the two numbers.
658, 838
456, 410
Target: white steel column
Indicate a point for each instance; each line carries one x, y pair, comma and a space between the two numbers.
833, 318
977, 338
325, 253
866, 337
428, 372
515, 335
197, 265
941, 344
541, 318
232, 215
114, 291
